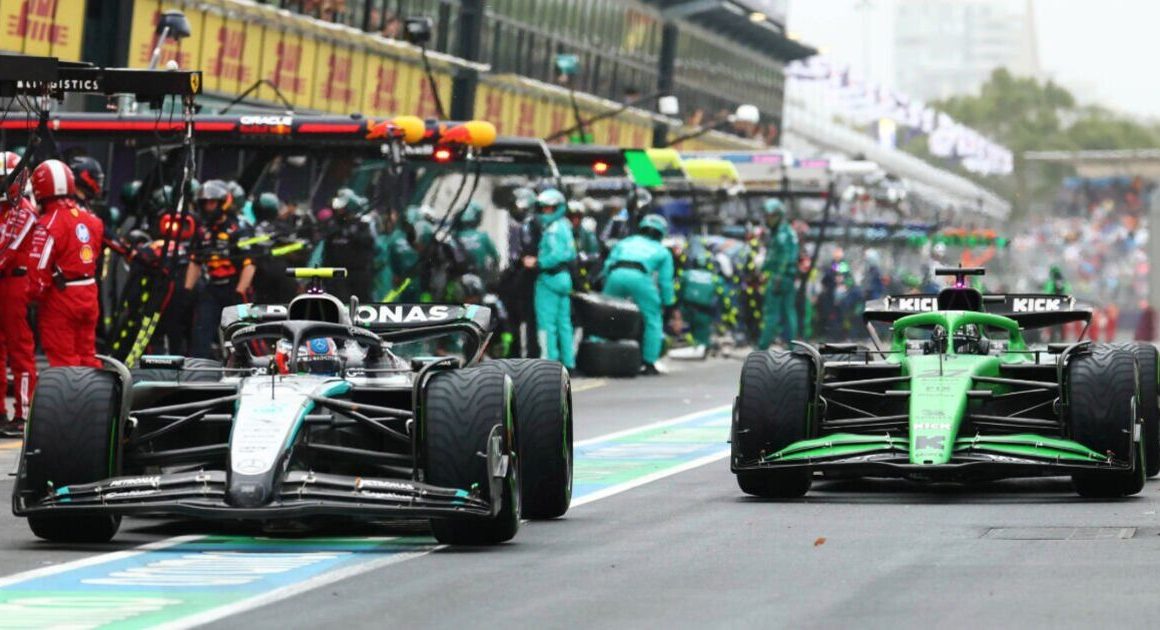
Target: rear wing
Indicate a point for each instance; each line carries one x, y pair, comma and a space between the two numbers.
1029, 310
381, 319
394, 322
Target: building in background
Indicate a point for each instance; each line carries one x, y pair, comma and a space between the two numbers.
948, 47
492, 58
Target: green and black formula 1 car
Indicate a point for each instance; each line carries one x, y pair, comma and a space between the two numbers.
957, 396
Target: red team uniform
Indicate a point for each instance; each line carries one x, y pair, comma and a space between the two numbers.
63, 268
17, 225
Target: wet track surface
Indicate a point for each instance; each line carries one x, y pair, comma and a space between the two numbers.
662, 538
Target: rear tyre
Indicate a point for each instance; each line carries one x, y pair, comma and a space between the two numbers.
543, 404
462, 408
1102, 408
769, 414
181, 376
72, 431
1146, 359
617, 359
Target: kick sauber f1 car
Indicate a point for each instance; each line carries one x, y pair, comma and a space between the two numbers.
958, 395
321, 410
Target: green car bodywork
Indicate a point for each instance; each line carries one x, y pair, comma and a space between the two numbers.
940, 389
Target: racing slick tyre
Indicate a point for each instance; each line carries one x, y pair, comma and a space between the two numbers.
196, 371
71, 437
543, 403
1146, 359
1102, 395
462, 408
608, 317
771, 413
618, 359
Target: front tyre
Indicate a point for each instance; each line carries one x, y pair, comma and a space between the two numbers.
770, 413
71, 440
543, 404
462, 409
1102, 395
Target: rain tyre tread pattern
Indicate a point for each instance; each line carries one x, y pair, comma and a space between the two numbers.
1101, 386
69, 431
771, 413
543, 406
462, 407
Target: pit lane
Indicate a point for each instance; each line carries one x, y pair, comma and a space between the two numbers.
684, 550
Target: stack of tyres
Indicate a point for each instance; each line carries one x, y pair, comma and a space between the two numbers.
611, 328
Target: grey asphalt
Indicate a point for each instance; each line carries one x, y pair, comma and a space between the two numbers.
691, 551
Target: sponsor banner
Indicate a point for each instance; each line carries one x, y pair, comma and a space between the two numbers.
52, 28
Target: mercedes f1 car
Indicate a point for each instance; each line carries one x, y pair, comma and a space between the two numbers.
957, 395
321, 409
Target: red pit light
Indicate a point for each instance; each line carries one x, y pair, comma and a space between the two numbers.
600, 168
442, 155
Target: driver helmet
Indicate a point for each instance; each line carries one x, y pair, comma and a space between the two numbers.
319, 357
969, 340
938, 341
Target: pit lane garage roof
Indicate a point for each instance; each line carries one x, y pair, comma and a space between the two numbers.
736, 20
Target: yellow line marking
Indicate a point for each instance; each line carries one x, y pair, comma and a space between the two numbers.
8, 446
589, 384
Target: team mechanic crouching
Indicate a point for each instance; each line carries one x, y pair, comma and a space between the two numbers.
63, 264
17, 223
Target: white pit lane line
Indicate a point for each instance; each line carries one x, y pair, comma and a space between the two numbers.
605, 466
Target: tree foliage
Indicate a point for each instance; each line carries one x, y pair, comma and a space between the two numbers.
1026, 114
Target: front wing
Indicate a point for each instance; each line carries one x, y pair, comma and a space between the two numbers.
975, 458
302, 494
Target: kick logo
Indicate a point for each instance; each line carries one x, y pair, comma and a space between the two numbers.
918, 305
1036, 305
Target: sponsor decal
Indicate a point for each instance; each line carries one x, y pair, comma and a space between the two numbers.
230, 62
266, 124
932, 426
63, 85
128, 494
288, 74
384, 98
390, 496
87, 255
36, 21
152, 480
1036, 305
267, 120
918, 305
402, 314
924, 442
82, 232
385, 484
338, 86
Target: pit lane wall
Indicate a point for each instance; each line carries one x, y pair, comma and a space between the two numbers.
324, 67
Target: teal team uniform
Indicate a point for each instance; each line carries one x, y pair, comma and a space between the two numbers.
553, 290
702, 292
641, 269
779, 310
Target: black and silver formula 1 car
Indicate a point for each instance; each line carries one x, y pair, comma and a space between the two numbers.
957, 394
321, 409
